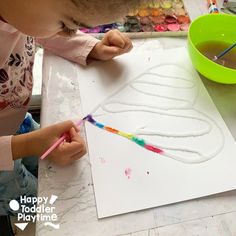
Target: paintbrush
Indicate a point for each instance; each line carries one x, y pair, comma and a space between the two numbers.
224, 52
60, 140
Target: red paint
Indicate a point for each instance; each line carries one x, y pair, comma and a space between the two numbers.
153, 149
161, 28
171, 20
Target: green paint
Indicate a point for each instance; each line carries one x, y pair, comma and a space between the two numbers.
139, 141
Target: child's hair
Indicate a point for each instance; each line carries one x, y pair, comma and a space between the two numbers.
112, 6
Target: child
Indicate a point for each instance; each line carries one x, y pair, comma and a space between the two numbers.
53, 24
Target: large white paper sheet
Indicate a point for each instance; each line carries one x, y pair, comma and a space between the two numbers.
158, 97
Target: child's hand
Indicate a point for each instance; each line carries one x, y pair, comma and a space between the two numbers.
37, 142
72, 149
113, 44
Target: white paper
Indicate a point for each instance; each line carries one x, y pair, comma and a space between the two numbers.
160, 98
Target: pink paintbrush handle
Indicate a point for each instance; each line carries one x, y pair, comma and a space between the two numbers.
59, 141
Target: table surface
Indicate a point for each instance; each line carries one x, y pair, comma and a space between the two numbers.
76, 207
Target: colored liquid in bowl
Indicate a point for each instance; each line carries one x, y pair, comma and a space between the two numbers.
211, 49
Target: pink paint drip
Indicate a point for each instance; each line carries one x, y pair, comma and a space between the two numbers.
128, 172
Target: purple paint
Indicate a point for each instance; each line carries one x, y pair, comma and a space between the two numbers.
89, 118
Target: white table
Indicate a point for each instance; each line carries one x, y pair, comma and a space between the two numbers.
76, 208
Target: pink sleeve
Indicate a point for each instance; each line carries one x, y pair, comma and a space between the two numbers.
75, 49
6, 160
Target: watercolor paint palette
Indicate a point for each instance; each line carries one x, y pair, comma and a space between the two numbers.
151, 18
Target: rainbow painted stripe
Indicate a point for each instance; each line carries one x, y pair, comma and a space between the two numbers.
139, 141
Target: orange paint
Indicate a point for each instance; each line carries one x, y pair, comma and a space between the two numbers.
115, 131
183, 19
156, 12
143, 12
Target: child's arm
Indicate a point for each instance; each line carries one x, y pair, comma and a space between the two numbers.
35, 143
6, 160
81, 47
75, 49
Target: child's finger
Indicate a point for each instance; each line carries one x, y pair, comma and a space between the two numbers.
113, 38
76, 140
111, 51
79, 155
128, 46
77, 128
70, 149
63, 127
125, 39
75, 137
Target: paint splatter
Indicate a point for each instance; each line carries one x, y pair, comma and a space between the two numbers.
103, 161
128, 172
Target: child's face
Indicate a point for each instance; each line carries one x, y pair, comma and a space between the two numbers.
47, 18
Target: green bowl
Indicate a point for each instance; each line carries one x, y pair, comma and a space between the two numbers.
212, 27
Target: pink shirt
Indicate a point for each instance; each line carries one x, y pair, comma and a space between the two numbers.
16, 81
